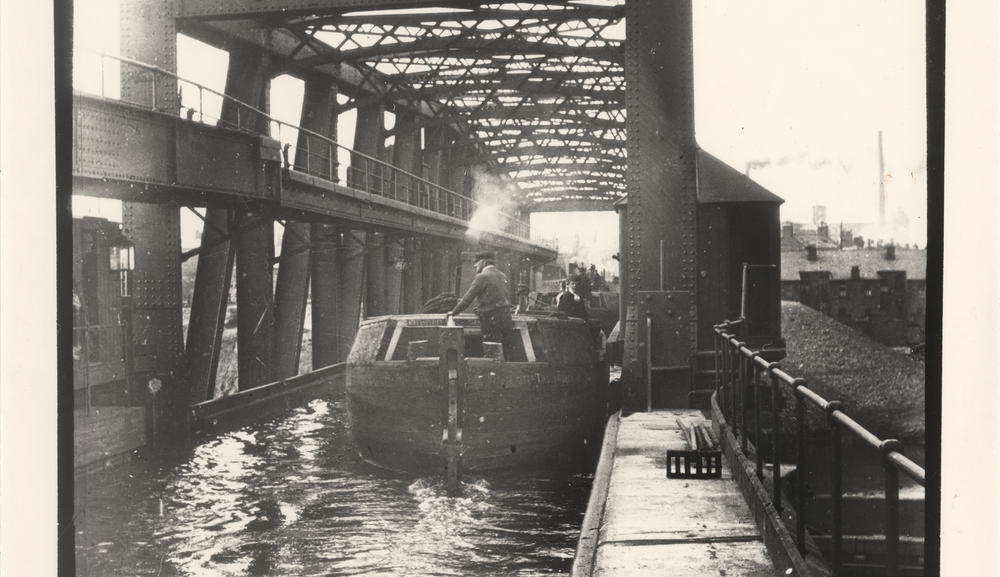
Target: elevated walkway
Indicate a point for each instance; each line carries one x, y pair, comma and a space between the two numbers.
639, 522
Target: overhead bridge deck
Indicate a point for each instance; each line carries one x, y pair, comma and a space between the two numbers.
130, 152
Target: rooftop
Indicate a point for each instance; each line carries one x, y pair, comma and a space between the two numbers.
839, 262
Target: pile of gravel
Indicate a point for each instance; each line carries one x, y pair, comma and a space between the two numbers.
881, 388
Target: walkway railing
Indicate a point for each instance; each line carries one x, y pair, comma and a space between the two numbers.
740, 369
305, 151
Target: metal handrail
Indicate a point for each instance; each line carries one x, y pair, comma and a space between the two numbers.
375, 176
735, 364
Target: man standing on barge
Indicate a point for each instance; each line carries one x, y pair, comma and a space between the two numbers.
489, 288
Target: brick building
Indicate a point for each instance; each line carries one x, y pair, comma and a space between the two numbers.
881, 291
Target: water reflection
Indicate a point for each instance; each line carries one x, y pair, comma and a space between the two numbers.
290, 497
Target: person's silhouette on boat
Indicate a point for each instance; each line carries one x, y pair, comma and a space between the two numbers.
489, 289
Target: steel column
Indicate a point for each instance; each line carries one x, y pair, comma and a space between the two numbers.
319, 114
406, 154
325, 295
436, 141
350, 283
413, 276
442, 268
149, 35
661, 148
290, 296
156, 317
394, 263
368, 139
375, 277
254, 299
514, 269
247, 81
429, 267
209, 303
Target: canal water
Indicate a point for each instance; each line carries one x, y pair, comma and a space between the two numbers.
290, 497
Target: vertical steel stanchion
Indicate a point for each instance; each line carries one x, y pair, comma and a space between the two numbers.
755, 381
741, 410
800, 466
775, 436
715, 365
649, 362
836, 488
330, 151
152, 83
891, 506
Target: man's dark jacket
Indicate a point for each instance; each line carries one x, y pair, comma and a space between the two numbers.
489, 287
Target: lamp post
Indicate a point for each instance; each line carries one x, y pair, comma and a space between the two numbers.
122, 260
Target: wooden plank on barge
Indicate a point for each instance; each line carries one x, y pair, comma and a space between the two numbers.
266, 401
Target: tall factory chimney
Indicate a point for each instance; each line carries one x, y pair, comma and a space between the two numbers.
881, 182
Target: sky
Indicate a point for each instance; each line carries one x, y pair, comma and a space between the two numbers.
792, 93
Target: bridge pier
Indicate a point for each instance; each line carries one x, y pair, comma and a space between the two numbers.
394, 261
319, 114
290, 297
369, 139
209, 303
149, 34
325, 262
375, 280
350, 289
413, 275
254, 299
156, 317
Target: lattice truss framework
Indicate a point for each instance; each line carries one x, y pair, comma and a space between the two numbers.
538, 88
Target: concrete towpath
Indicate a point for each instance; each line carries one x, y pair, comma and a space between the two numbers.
639, 522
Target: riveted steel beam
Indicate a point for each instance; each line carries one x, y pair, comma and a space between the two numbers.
661, 172
149, 34
575, 205
465, 48
156, 316
282, 8
479, 13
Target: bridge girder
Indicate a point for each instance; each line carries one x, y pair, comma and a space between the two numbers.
515, 83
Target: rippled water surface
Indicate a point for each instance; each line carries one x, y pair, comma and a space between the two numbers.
290, 497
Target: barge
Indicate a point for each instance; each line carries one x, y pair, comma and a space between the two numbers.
424, 397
